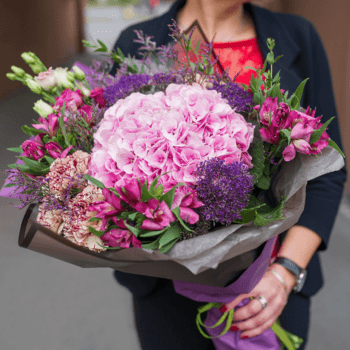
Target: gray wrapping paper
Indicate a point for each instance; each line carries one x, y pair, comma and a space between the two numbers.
211, 259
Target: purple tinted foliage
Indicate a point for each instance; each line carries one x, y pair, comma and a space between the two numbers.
235, 95
224, 189
125, 86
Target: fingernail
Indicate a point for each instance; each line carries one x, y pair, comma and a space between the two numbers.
244, 337
234, 328
223, 309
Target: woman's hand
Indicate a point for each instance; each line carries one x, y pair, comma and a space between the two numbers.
252, 319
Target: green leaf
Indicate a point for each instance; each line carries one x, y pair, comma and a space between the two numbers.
172, 233
264, 182
278, 58
176, 212
277, 76
315, 136
247, 215
336, 147
87, 44
168, 246
145, 193
12, 166
299, 91
96, 232
198, 46
286, 133
63, 130
295, 103
49, 159
153, 245
192, 65
253, 82
168, 197
95, 219
152, 233
63, 109
267, 215
30, 131
34, 165
94, 181
10, 185
135, 230
103, 45
16, 149
153, 185
120, 53
258, 159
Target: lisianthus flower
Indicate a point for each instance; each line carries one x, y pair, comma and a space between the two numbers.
47, 79
34, 149
97, 95
300, 137
158, 215
121, 238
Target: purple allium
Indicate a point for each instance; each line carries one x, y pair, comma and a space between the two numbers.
125, 86
236, 96
224, 189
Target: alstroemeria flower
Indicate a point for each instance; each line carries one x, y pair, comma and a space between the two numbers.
49, 124
158, 215
97, 95
34, 149
55, 150
267, 111
73, 100
107, 209
300, 136
121, 238
130, 191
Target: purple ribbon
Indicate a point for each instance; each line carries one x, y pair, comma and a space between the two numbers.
245, 284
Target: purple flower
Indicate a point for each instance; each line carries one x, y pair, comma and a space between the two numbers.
224, 189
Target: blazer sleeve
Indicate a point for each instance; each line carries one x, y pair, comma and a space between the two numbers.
323, 195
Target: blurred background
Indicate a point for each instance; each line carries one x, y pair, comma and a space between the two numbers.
46, 304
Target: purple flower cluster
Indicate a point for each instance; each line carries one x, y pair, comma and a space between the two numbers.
235, 95
224, 189
125, 86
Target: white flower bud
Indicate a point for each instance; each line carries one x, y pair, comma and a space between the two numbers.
34, 86
43, 109
85, 91
18, 71
61, 76
11, 76
79, 74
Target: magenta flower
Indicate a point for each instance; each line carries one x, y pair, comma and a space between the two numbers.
49, 124
34, 149
267, 110
73, 100
55, 151
300, 136
97, 95
86, 113
108, 208
159, 215
121, 238
130, 191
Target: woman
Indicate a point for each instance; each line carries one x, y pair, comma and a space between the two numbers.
165, 320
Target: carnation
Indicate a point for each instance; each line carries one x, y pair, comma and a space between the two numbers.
76, 218
67, 172
51, 219
144, 136
224, 189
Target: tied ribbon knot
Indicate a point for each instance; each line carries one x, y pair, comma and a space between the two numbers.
289, 341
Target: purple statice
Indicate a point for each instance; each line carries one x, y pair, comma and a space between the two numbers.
224, 189
28, 186
235, 95
125, 86
98, 74
161, 80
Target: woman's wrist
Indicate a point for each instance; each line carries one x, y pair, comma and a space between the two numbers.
288, 277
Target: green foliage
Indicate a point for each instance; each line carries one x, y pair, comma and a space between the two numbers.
315, 136
94, 181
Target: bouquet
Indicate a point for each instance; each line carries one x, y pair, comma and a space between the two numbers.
168, 169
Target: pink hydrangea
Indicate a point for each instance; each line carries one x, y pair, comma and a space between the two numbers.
145, 136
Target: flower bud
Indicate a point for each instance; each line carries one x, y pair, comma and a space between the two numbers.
79, 74
43, 109
71, 77
28, 76
34, 86
11, 76
18, 71
61, 76
36, 68
85, 91
28, 57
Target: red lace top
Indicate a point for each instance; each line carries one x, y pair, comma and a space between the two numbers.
239, 54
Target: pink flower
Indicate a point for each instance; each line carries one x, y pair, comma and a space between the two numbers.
49, 124
267, 111
108, 208
55, 151
86, 113
130, 191
47, 80
73, 100
159, 215
121, 238
300, 136
34, 149
97, 95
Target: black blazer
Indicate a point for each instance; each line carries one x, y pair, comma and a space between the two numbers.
303, 57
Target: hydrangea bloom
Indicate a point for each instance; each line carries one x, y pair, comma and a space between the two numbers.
144, 136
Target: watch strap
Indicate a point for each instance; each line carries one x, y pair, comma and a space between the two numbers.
289, 265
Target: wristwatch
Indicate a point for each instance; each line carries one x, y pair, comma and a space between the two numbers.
296, 270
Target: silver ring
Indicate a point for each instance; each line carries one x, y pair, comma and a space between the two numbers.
263, 301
